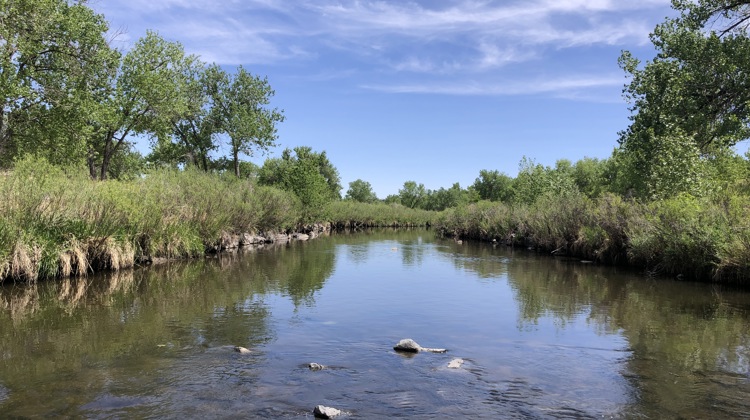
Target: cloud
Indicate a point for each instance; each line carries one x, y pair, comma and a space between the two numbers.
395, 39
567, 87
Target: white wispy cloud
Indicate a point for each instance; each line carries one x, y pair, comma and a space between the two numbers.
452, 38
562, 87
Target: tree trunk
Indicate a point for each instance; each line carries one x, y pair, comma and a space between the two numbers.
92, 164
236, 154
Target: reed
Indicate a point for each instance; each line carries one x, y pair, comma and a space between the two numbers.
58, 223
353, 214
688, 237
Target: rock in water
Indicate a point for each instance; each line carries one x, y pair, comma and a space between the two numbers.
455, 363
241, 350
315, 366
411, 346
323, 412
407, 345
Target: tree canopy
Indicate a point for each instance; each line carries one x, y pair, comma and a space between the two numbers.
692, 100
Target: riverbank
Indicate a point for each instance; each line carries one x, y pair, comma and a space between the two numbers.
685, 237
56, 223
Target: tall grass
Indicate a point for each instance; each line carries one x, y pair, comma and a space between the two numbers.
352, 214
55, 223
693, 238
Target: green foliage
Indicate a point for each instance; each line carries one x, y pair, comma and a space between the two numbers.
535, 180
353, 214
494, 186
682, 235
441, 199
50, 53
307, 174
361, 191
57, 223
412, 195
589, 176
239, 109
689, 103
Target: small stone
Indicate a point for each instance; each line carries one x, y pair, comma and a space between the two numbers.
241, 350
315, 366
323, 412
455, 363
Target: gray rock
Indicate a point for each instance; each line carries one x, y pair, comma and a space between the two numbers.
229, 241
248, 239
316, 366
455, 363
407, 345
410, 346
242, 350
280, 238
323, 412
301, 236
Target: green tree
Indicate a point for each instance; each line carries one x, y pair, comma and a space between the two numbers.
535, 180
307, 174
193, 131
494, 186
50, 51
412, 195
696, 90
145, 96
589, 176
361, 191
240, 110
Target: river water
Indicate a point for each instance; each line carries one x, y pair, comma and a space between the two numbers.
540, 337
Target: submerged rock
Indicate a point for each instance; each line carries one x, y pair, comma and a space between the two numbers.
455, 363
410, 346
323, 412
241, 350
316, 366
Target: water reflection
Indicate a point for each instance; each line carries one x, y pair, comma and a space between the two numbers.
541, 337
61, 338
690, 343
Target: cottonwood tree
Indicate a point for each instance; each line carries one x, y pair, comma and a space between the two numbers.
144, 97
412, 195
50, 53
240, 110
193, 134
696, 90
493, 186
361, 191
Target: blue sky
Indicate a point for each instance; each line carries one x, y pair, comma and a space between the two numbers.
427, 91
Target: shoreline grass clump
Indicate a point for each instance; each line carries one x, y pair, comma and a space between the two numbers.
688, 237
57, 223
349, 214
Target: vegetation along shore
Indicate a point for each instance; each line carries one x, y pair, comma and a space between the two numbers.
76, 196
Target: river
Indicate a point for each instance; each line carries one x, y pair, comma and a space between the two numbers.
539, 337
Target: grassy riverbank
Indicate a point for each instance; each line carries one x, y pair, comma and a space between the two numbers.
56, 223
694, 238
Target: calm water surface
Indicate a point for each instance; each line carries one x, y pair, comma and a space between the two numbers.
541, 337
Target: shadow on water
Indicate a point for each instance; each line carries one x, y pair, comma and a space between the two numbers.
539, 337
